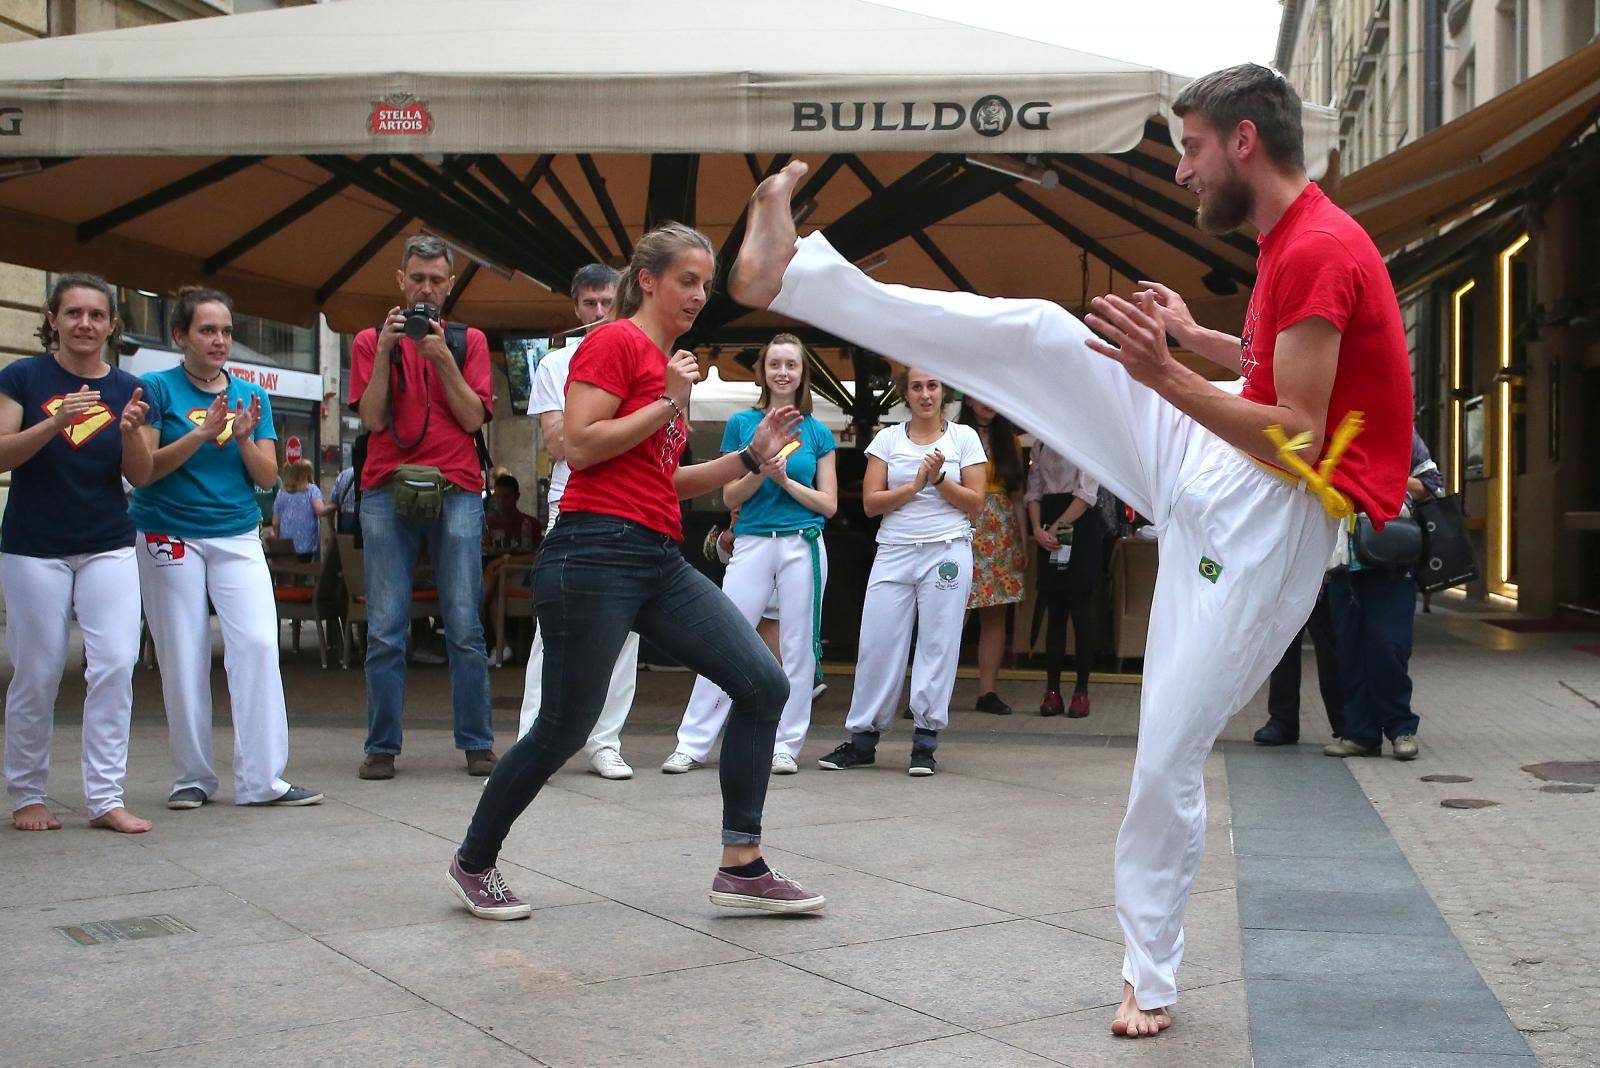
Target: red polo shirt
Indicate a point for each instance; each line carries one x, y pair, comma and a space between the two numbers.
1318, 261
638, 484
444, 444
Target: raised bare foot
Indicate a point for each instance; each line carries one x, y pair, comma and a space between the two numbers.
122, 821
35, 817
1133, 1022
768, 245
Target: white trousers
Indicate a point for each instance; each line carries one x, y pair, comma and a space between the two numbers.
607, 733
178, 576
922, 586
1241, 552
41, 594
763, 568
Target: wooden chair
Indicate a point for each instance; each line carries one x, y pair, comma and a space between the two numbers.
424, 602
1133, 587
294, 589
514, 600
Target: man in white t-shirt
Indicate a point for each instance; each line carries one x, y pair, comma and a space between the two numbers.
593, 289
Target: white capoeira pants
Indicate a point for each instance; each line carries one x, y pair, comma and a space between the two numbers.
42, 593
1213, 640
177, 576
924, 586
607, 733
762, 567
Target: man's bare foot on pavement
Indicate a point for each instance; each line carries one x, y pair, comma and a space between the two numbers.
34, 818
768, 246
1133, 1022
121, 820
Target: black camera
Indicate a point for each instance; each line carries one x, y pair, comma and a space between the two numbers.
419, 321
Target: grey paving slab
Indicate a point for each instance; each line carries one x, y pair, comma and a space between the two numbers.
80, 863
982, 976
755, 1014
1321, 956
962, 1051
1313, 840
1353, 912
1210, 931
423, 1036
450, 963
1209, 1030
209, 995
1372, 873
1316, 1057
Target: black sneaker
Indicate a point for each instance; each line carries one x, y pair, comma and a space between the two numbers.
847, 756
990, 702
188, 797
922, 762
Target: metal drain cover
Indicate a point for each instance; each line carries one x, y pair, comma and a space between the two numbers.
1566, 788
1447, 778
1587, 771
132, 929
1467, 802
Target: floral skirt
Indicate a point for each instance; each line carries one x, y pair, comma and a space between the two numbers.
997, 560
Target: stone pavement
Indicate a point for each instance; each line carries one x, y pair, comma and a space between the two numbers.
969, 923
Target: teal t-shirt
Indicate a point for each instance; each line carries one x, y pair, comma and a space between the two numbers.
770, 509
211, 495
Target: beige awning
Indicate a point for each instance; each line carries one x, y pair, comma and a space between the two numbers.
1470, 160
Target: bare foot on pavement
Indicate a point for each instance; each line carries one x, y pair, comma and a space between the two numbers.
1133, 1022
120, 819
34, 818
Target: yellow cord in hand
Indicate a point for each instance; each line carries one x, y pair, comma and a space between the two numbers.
1318, 479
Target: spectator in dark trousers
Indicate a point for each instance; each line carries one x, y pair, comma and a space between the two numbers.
1283, 689
1372, 610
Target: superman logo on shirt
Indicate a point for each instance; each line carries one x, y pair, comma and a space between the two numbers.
197, 416
88, 423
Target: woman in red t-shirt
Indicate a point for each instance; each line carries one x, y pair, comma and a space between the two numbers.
612, 564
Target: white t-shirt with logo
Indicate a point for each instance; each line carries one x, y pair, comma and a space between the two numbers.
549, 394
927, 516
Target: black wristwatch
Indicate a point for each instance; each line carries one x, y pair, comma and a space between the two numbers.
749, 460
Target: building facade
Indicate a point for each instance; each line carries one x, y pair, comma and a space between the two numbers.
1501, 310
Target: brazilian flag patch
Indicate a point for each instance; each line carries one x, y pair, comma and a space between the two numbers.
1210, 570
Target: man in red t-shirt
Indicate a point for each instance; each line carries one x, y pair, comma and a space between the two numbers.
1243, 543
423, 407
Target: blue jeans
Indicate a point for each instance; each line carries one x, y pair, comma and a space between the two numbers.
1373, 613
598, 577
455, 546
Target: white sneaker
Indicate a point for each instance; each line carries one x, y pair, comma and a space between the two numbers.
678, 763
818, 690
783, 764
608, 764
495, 659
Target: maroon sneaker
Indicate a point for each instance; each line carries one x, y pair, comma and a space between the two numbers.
1050, 704
771, 892
486, 895
1079, 706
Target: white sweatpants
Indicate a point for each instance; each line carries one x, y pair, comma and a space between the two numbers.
177, 577
763, 568
42, 593
607, 732
1213, 637
922, 586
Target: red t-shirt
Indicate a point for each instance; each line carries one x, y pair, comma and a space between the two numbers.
1318, 261
445, 445
618, 358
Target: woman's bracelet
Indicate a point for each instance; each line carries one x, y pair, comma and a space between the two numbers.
677, 411
749, 460
940, 479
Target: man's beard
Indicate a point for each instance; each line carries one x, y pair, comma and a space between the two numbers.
1229, 205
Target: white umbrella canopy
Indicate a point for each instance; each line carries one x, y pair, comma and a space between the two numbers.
286, 155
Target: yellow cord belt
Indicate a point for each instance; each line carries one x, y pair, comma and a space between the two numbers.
1316, 481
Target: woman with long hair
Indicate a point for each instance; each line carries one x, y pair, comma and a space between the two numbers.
298, 507
926, 478
777, 552
998, 537
69, 435
198, 520
613, 563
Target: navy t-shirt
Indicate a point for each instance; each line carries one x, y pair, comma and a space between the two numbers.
67, 497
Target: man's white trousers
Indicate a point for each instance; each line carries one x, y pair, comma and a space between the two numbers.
607, 732
42, 593
922, 586
761, 566
177, 578
1241, 552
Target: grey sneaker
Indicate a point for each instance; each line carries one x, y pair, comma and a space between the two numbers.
294, 797
772, 892
922, 762
486, 894
188, 797
1344, 747
1405, 747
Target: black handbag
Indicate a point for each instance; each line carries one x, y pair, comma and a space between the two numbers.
1398, 545
1447, 556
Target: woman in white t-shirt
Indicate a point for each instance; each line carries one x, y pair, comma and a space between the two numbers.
926, 478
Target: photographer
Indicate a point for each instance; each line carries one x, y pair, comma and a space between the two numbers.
423, 391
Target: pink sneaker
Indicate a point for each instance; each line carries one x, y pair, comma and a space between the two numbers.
486, 895
771, 892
